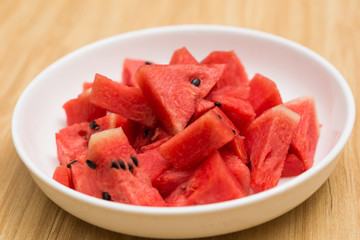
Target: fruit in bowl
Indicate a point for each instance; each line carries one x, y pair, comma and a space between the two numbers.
296, 71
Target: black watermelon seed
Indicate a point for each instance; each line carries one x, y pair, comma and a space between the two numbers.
147, 63
131, 168
70, 163
91, 164
114, 165
122, 164
219, 116
94, 125
146, 133
233, 131
217, 104
196, 82
106, 196
135, 160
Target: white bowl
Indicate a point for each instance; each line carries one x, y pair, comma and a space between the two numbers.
296, 70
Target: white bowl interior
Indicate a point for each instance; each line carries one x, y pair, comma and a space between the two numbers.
296, 70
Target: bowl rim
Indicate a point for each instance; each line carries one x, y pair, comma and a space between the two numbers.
208, 208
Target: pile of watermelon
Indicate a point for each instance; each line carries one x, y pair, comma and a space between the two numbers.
183, 133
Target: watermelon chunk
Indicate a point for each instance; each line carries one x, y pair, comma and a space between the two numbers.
118, 173
72, 141
170, 179
293, 166
153, 163
307, 134
121, 99
268, 140
200, 139
130, 66
211, 182
81, 110
171, 94
238, 168
62, 175
183, 56
239, 111
237, 146
234, 73
264, 94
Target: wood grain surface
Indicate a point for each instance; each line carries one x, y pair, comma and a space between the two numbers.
35, 33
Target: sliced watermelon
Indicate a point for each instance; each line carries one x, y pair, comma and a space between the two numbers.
307, 134
239, 111
264, 94
238, 92
169, 180
72, 141
293, 166
121, 99
238, 168
81, 110
237, 146
234, 73
173, 90
183, 56
130, 66
211, 182
268, 140
119, 175
153, 163
200, 139
62, 175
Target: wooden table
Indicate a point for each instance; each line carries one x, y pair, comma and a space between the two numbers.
35, 33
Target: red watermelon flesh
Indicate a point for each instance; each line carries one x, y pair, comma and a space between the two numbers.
153, 163
239, 111
121, 99
202, 107
307, 134
238, 92
87, 85
130, 66
183, 56
197, 141
264, 94
62, 175
211, 182
237, 146
293, 166
150, 137
169, 180
72, 141
268, 140
119, 174
171, 94
234, 73
238, 168
81, 110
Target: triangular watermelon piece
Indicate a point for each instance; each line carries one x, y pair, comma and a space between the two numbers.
119, 174
183, 56
264, 94
81, 110
130, 66
293, 166
121, 99
197, 141
234, 73
307, 134
174, 90
62, 175
268, 140
211, 182
239, 111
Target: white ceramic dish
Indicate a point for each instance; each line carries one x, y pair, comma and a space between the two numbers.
297, 71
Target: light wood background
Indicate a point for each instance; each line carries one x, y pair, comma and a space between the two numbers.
35, 33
